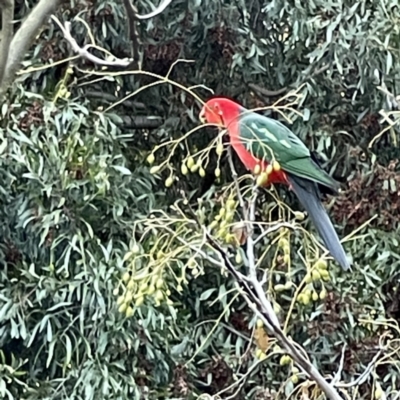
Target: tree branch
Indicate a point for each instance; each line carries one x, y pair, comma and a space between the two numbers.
24, 38
141, 122
132, 16
265, 309
83, 52
275, 93
363, 377
7, 17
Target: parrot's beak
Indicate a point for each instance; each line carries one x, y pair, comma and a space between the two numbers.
202, 116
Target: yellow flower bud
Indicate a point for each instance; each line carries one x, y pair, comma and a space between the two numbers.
279, 287
269, 169
192, 263
159, 283
299, 215
283, 242
202, 173
220, 148
126, 277
315, 296
276, 166
262, 356
159, 295
259, 323
322, 294
294, 379
257, 169
150, 290
120, 300
194, 168
230, 204
316, 276
135, 249
190, 162
184, 169
169, 181
285, 360
259, 353
306, 299
129, 312
155, 169
151, 158
139, 301
321, 264
288, 285
325, 274
378, 393
262, 179
238, 258
128, 297
122, 308
217, 172
213, 224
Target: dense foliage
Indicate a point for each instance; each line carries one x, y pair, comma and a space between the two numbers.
99, 296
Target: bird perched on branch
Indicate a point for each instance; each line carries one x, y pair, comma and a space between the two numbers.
271, 150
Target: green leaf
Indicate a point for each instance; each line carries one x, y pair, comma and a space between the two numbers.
123, 170
205, 295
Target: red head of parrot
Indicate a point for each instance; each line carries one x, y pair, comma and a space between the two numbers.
226, 114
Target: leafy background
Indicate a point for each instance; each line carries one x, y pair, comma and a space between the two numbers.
75, 183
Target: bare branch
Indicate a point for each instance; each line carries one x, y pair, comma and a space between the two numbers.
157, 11
269, 318
24, 38
260, 304
363, 377
252, 262
84, 52
7, 17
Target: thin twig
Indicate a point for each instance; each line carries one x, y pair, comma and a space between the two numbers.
235, 178
338, 374
274, 228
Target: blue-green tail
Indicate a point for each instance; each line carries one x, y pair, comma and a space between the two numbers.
308, 194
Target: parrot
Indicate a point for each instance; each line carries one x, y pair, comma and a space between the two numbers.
260, 141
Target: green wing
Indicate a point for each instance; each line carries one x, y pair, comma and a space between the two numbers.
267, 139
